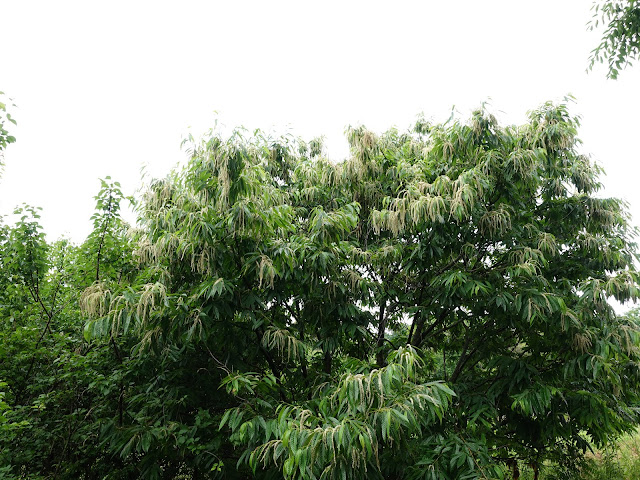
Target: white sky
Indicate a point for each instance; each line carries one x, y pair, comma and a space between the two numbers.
105, 87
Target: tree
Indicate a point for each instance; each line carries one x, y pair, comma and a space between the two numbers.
57, 390
620, 43
435, 306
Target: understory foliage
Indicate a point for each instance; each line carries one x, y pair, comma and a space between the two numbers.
436, 306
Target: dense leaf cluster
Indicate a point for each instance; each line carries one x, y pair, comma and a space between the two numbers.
435, 306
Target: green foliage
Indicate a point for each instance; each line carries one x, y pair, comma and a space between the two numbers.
618, 461
106, 246
620, 43
345, 429
481, 252
57, 390
5, 117
433, 307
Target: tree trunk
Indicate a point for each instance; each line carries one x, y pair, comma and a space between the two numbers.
327, 363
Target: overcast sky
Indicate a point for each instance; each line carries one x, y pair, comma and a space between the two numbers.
103, 88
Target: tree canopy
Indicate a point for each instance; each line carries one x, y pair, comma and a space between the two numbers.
620, 44
435, 306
